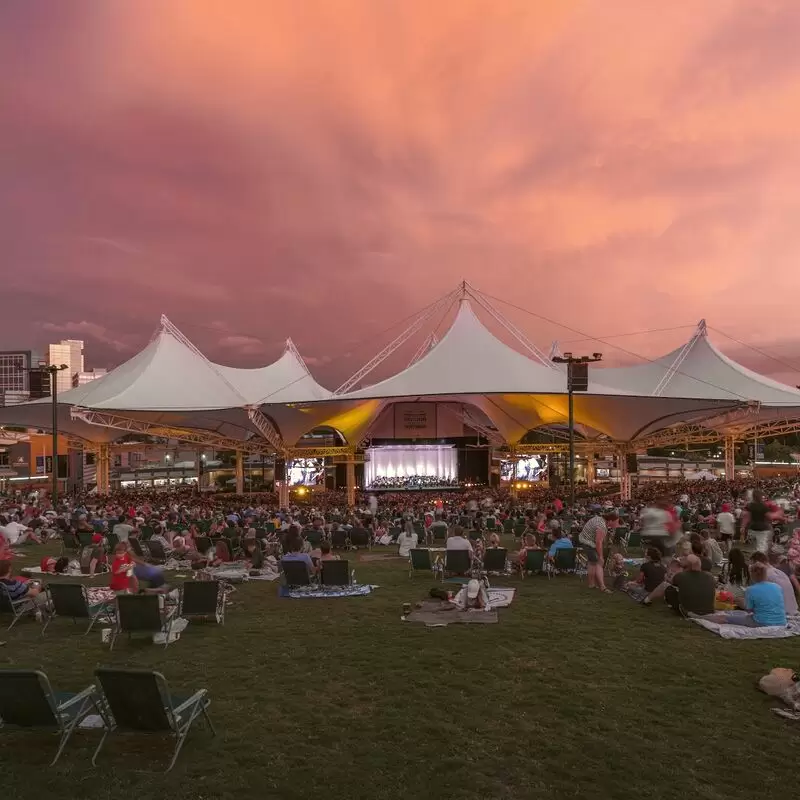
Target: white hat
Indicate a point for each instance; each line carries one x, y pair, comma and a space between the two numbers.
473, 587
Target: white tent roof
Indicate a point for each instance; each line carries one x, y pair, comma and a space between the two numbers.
469, 359
285, 381
703, 373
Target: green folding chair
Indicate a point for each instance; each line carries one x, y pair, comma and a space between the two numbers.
140, 701
28, 701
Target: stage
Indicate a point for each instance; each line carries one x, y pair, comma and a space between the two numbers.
422, 467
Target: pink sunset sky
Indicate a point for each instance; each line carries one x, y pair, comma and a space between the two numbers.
322, 169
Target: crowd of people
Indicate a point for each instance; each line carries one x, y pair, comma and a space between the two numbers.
690, 531
413, 482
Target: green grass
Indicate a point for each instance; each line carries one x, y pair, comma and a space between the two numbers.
572, 694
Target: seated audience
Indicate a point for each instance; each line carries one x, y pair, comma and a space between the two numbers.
763, 603
780, 578
693, 590
295, 553
21, 590
326, 553
563, 542
457, 541
407, 540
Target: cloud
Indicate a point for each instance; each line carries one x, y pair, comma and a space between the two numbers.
322, 173
92, 331
246, 345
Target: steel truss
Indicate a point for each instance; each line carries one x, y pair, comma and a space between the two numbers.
400, 340
679, 434
322, 452
107, 420
508, 325
266, 429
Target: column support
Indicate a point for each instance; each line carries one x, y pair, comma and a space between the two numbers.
351, 481
239, 472
730, 458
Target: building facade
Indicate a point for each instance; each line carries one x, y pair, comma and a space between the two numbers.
82, 378
69, 352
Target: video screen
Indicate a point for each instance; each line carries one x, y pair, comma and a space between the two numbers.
532, 469
306, 471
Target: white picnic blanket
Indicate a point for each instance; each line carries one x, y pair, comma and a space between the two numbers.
742, 632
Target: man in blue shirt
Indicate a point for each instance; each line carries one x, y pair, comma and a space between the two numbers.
561, 543
763, 601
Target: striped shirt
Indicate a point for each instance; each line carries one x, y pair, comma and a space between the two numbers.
593, 526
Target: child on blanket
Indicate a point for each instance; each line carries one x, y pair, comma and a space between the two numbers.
763, 603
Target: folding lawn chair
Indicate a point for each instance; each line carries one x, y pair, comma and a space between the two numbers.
458, 562
85, 538
633, 540
113, 540
17, 608
419, 560
70, 541
146, 533
140, 702
394, 533
156, 552
494, 559
295, 573
335, 573
360, 537
534, 561
339, 539
313, 536
203, 544
203, 599
136, 546
72, 600
222, 551
28, 701
565, 560
142, 613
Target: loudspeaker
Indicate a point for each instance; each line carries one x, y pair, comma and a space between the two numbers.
578, 377
280, 469
631, 462
330, 479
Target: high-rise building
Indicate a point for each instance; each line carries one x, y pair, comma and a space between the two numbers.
82, 378
14, 376
69, 352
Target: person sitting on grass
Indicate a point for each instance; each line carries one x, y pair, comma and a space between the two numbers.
183, 551
564, 542
780, 578
295, 553
326, 552
253, 554
676, 565
763, 603
693, 590
407, 540
737, 567
528, 543
93, 557
22, 590
651, 576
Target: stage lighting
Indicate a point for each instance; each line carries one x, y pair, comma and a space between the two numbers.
302, 490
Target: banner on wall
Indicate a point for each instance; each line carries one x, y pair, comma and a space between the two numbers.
415, 420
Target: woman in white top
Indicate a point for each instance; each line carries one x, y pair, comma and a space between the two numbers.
407, 540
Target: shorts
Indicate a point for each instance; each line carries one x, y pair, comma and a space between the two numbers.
726, 537
592, 555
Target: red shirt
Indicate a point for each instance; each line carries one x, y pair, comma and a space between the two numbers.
120, 579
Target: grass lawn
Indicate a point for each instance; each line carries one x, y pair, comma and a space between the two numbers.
572, 694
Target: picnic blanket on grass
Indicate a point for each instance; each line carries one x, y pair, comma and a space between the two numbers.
742, 632
238, 573
435, 613
356, 590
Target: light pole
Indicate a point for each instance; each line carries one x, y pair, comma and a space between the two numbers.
53, 370
577, 381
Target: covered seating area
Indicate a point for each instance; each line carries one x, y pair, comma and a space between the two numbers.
501, 392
